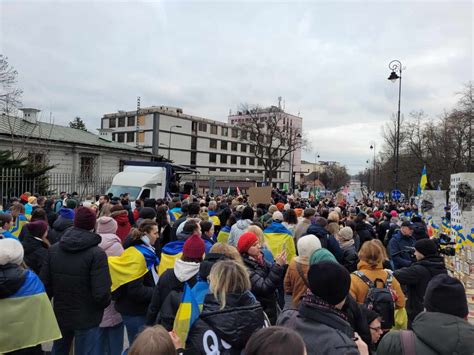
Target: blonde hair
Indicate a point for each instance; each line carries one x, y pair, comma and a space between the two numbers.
153, 340
382, 249
227, 250
258, 232
333, 217
227, 277
371, 253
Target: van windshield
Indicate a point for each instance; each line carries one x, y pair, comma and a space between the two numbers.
117, 190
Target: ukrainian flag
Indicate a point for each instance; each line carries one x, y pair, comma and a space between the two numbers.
276, 237
134, 262
470, 238
446, 225
176, 213
20, 221
172, 252
223, 235
189, 309
423, 181
27, 317
460, 238
214, 218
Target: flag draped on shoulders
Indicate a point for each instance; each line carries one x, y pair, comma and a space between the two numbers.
27, 317
172, 252
20, 221
134, 262
214, 218
175, 213
223, 235
277, 236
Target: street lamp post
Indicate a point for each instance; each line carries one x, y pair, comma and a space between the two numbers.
396, 66
372, 146
169, 142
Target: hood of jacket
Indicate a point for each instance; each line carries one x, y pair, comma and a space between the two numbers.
30, 244
236, 323
183, 235
11, 279
242, 224
325, 316
121, 217
446, 333
185, 270
66, 213
108, 240
317, 230
434, 263
76, 240
206, 265
62, 223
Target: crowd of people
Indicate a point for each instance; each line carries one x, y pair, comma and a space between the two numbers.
218, 275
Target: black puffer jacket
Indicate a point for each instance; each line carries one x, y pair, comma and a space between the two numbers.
36, 253
416, 277
11, 278
350, 258
265, 280
327, 240
226, 330
76, 274
365, 232
59, 227
133, 298
419, 231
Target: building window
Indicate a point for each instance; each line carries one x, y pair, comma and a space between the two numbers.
251, 161
224, 131
212, 169
120, 137
260, 162
193, 143
233, 146
130, 137
193, 158
213, 129
223, 159
242, 170
233, 159
212, 157
112, 122
121, 164
235, 133
131, 121
87, 165
37, 159
243, 147
251, 148
224, 145
250, 171
252, 136
121, 122
213, 143
243, 135
202, 127
233, 170
223, 169
194, 126
243, 160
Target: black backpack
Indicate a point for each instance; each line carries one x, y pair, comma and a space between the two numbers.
380, 300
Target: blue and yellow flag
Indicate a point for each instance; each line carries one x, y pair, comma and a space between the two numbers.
470, 238
214, 218
459, 236
134, 262
172, 252
278, 237
445, 225
223, 235
189, 309
175, 213
20, 222
27, 317
423, 181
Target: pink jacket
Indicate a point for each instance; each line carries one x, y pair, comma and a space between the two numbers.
112, 246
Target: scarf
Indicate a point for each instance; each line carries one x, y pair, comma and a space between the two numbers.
346, 243
310, 299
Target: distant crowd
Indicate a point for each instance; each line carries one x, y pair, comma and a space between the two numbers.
218, 275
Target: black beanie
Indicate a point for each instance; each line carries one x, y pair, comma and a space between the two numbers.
371, 315
147, 213
446, 294
329, 281
426, 247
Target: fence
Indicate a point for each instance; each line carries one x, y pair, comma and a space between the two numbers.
14, 182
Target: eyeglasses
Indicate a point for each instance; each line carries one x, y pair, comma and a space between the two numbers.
377, 329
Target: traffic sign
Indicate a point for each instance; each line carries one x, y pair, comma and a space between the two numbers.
396, 194
380, 195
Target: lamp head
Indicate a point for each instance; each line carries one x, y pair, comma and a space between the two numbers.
393, 77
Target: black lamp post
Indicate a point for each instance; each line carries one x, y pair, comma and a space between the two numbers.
372, 146
396, 66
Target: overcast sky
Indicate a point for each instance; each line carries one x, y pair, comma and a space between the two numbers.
328, 60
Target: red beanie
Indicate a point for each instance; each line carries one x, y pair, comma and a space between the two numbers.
280, 206
194, 247
246, 240
84, 218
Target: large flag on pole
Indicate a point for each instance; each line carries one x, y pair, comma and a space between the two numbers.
423, 181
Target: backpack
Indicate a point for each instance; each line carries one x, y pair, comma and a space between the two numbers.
381, 300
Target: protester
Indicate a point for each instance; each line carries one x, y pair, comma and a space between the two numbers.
265, 278
375, 325
230, 312
319, 319
333, 223
17, 211
327, 241
120, 214
278, 238
290, 220
207, 231
6, 223
36, 245
363, 229
157, 341
63, 222
442, 328
296, 282
302, 226
400, 244
111, 329
76, 275
240, 226
416, 276
345, 237
275, 341
267, 254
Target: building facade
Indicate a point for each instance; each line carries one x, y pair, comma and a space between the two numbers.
213, 148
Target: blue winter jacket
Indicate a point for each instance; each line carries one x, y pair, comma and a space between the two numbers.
327, 240
399, 254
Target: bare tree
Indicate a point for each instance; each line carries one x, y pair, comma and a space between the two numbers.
274, 138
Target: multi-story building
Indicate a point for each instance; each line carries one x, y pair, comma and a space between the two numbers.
213, 148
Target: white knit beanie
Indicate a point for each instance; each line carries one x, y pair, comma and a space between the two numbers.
306, 246
106, 225
11, 251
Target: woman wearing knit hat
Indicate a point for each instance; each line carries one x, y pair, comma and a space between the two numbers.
345, 238
265, 278
111, 329
296, 282
36, 245
168, 292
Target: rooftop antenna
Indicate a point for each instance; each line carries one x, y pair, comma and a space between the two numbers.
279, 102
